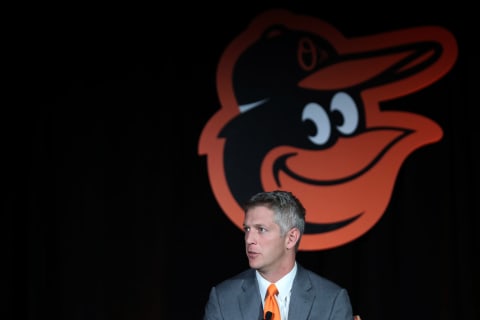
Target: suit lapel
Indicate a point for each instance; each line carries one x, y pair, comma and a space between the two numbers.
249, 299
302, 296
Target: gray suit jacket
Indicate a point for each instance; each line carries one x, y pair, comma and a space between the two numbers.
313, 298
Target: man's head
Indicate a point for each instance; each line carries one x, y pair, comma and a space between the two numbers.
274, 224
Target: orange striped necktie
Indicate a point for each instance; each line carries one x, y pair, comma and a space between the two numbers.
271, 311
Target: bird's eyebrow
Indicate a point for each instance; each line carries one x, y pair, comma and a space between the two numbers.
246, 107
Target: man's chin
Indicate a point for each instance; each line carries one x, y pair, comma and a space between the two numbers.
253, 264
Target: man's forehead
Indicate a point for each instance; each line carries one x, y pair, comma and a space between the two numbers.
259, 215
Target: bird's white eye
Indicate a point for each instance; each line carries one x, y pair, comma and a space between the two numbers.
318, 116
346, 107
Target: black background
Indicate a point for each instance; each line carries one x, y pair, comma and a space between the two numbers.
108, 211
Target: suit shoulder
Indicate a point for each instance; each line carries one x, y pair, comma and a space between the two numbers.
236, 280
320, 281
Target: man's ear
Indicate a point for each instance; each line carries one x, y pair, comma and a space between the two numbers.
293, 235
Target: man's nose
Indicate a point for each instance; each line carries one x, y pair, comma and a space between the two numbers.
249, 237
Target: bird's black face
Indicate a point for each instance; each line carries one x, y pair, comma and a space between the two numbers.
284, 121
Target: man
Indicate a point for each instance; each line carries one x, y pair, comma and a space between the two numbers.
274, 224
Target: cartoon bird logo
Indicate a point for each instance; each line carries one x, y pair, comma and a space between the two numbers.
301, 111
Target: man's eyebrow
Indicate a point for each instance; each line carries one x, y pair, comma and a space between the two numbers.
253, 225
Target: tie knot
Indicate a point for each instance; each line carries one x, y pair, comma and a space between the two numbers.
272, 290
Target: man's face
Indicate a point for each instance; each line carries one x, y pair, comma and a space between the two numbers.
264, 245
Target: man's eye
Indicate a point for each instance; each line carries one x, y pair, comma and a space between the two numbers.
262, 229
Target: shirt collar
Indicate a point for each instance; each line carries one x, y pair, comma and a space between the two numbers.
284, 285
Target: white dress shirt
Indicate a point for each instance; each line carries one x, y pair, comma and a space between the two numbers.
284, 287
